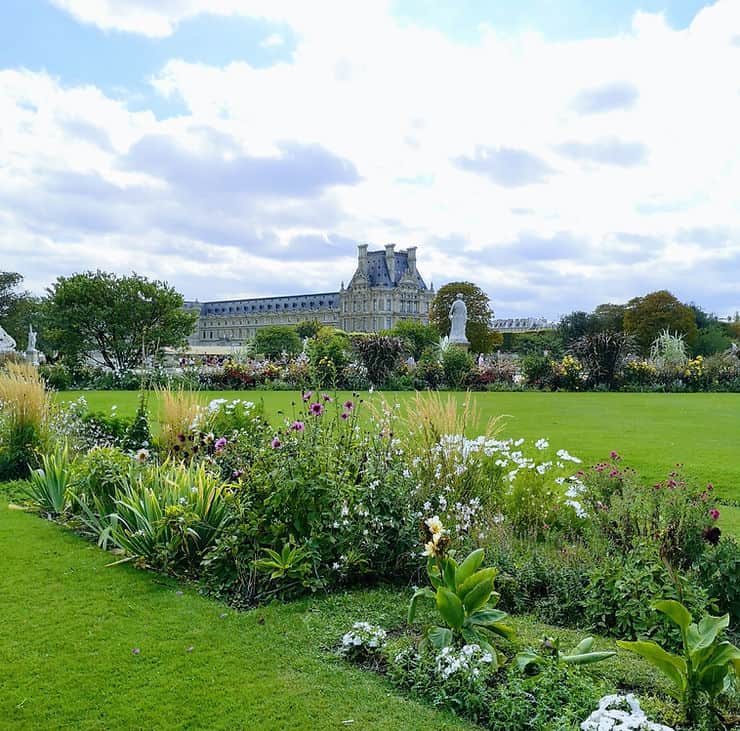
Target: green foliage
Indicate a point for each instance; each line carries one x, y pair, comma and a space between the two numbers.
291, 569
719, 571
416, 336
478, 328
139, 435
546, 342
380, 354
48, 487
458, 366
463, 595
308, 328
274, 340
712, 339
99, 476
123, 318
645, 317
537, 370
615, 599
708, 665
328, 353
169, 516
531, 661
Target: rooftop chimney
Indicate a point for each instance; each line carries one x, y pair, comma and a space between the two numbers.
362, 258
411, 251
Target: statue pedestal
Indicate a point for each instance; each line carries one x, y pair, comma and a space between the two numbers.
32, 356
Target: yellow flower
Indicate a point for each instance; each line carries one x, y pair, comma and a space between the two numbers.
435, 526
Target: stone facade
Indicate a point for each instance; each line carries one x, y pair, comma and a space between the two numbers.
385, 289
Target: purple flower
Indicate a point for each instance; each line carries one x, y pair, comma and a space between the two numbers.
714, 514
349, 405
614, 455
326, 398
297, 426
135, 651
344, 415
220, 444
316, 408
307, 395
236, 474
276, 443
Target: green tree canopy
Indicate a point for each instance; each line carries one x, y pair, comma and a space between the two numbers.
308, 328
478, 329
114, 319
9, 282
416, 336
274, 340
645, 317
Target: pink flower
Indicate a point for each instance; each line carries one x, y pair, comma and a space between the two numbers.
349, 405
615, 473
307, 395
326, 398
316, 409
220, 444
714, 514
276, 443
614, 455
297, 426
344, 415
710, 486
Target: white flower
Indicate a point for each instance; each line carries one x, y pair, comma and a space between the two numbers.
435, 525
542, 444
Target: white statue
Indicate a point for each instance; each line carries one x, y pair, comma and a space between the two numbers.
7, 344
458, 319
31, 339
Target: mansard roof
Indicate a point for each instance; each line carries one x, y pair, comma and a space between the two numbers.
378, 274
254, 305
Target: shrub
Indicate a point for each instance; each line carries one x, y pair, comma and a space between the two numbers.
274, 340
719, 572
328, 353
380, 354
616, 601
602, 355
568, 374
537, 370
458, 365
99, 476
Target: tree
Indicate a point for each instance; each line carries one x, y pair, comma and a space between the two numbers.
308, 328
478, 329
416, 336
9, 281
274, 340
609, 317
574, 326
115, 320
646, 317
380, 354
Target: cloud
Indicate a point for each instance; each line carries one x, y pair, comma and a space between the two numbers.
608, 151
272, 41
506, 166
606, 98
709, 236
297, 171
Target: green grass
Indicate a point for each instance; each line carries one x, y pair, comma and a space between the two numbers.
653, 432
69, 623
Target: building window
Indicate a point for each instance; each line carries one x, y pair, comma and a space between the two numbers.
388, 303
387, 323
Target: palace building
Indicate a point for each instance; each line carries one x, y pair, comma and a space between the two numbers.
385, 289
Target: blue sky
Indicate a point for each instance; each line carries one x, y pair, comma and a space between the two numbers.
561, 154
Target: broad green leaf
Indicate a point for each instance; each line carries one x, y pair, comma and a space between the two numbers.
503, 630
675, 611
712, 679
583, 646
487, 616
478, 596
588, 657
474, 580
466, 569
703, 635
450, 607
673, 667
526, 659
418, 594
450, 569
439, 637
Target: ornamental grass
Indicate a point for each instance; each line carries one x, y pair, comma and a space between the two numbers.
25, 407
178, 416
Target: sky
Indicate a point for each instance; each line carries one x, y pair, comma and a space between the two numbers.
559, 154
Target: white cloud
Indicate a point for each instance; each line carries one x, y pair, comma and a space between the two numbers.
649, 120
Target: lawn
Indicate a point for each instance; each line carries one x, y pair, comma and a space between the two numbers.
653, 432
70, 625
